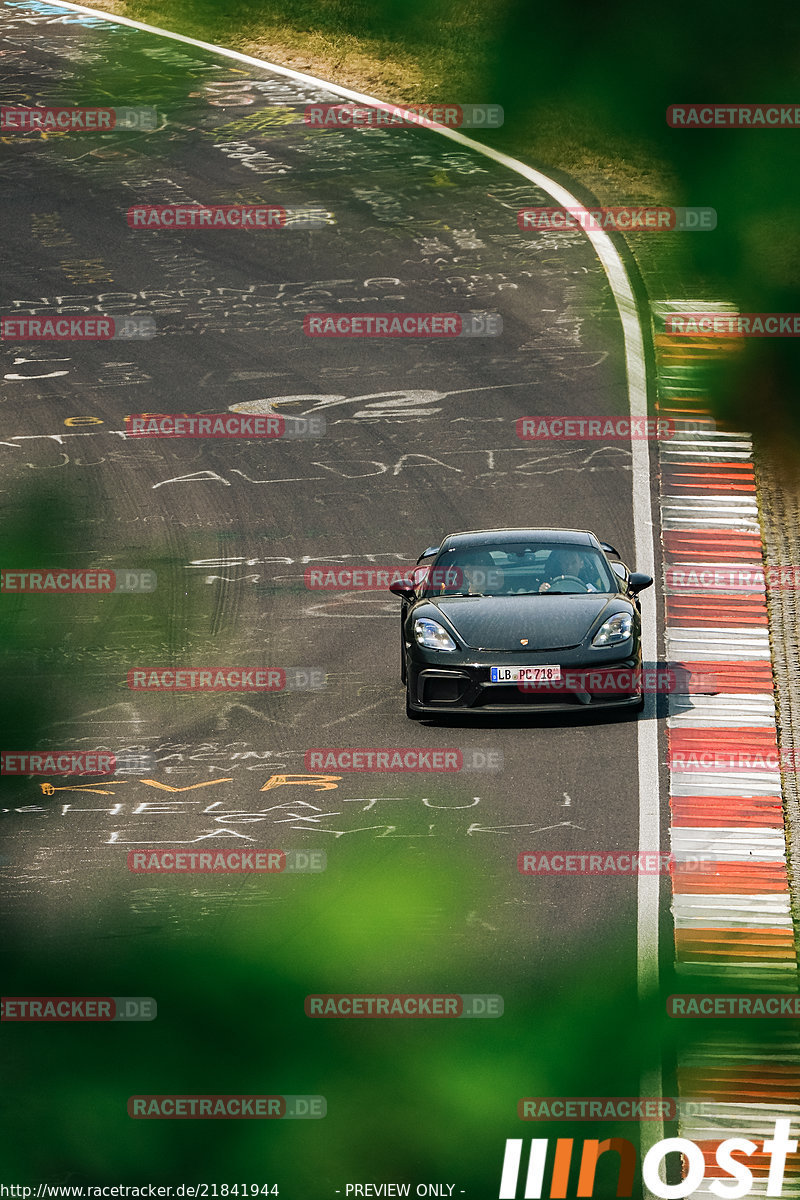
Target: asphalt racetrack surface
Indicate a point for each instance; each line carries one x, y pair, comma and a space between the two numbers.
421, 886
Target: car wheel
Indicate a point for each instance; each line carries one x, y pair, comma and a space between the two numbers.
411, 713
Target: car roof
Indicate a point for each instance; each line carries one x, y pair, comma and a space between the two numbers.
481, 537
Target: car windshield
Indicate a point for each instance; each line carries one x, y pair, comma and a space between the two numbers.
518, 569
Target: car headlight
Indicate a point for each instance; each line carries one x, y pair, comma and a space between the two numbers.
615, 630
432, 635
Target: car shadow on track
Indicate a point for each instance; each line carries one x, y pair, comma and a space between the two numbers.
546, 720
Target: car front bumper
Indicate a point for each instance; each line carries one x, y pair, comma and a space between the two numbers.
590, 681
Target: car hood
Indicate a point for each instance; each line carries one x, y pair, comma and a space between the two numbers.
548, 622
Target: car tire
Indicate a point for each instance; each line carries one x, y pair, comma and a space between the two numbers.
402, 657
411, 713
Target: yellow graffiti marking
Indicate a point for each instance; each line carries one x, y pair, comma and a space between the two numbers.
165, 787
321, 783
94, 788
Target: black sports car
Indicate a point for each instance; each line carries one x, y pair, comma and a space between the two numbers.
502, 620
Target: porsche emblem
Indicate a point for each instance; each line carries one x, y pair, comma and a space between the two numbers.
523, 641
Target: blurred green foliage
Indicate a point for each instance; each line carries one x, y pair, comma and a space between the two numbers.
407, 1100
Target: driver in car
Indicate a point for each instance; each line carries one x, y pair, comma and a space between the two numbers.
567, 562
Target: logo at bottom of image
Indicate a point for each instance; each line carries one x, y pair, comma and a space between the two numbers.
78, 1008
710, 1161
391, 1004
227, 1108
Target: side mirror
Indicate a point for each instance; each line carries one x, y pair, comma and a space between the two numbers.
638, 581
405, 588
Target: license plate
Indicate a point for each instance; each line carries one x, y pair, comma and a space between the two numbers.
543, 674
